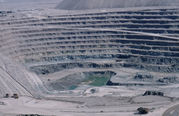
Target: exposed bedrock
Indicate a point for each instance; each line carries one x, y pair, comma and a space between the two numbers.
145, 39
97, 4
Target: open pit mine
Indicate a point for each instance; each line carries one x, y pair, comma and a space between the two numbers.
89, 58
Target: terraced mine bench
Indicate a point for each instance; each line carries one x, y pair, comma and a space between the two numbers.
143, 39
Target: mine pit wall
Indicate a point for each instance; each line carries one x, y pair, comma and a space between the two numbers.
63, 42
15, 79
101, 4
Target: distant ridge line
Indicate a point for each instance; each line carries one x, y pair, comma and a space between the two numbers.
98, 4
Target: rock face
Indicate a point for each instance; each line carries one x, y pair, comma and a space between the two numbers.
97, 4
157, 93
145, 39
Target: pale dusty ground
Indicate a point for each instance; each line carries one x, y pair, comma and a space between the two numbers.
69, 106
